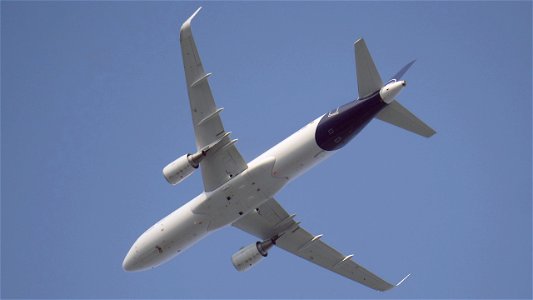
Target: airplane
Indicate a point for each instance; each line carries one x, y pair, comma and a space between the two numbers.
242, 194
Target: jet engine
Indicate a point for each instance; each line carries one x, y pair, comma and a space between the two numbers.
250, 255
176, 171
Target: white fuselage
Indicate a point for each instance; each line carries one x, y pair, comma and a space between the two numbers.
209, 211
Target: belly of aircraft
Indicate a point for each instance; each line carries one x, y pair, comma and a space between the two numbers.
206, 213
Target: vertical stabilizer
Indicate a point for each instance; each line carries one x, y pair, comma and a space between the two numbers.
368, 79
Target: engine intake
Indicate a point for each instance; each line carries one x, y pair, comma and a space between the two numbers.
250, 255
176, 171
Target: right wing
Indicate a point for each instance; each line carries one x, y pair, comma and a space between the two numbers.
271, 220
223, 161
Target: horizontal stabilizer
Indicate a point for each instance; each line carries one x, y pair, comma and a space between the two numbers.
398, 115
402, 71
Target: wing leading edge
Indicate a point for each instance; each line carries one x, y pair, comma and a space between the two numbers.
225, 161
272, 220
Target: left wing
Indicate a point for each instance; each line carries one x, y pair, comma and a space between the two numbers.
271, 220
223, 160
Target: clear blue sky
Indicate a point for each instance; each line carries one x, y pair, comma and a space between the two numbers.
94, 105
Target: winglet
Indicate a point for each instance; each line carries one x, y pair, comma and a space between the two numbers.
401, 281
187, 24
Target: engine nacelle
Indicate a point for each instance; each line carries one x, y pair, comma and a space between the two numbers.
176, 171
250, 255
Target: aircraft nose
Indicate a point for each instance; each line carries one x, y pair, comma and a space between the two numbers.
131, 262
128, 264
